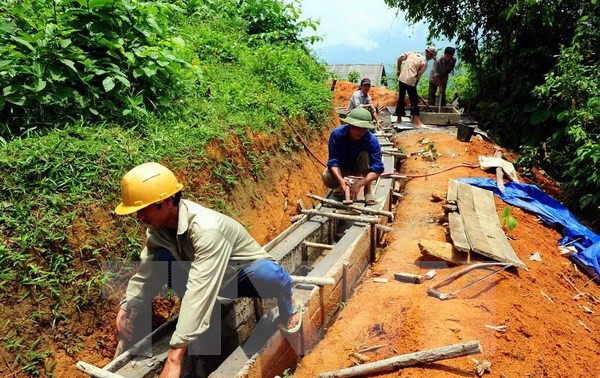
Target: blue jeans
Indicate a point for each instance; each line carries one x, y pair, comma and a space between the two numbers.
255, 279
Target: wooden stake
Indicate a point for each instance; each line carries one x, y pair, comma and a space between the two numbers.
366, 210
499, 173
395, 363
318, 245
314, 280
347, 198
341, 216
373, 242
395, 154
344, 282
96, 371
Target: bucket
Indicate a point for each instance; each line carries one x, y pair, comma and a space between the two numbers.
465, 132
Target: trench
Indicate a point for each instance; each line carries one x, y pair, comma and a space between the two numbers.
328, 242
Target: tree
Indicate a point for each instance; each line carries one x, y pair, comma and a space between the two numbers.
508, 45
534, 67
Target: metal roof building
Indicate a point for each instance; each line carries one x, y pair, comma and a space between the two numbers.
375, 72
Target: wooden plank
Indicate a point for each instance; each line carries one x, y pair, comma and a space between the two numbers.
486, 212
457, 232
478, 241
394, 363
482, 227
452, 191
442, 250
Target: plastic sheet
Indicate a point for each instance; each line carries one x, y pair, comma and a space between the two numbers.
533, 199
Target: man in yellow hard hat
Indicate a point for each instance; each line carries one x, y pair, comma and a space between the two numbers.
224, 260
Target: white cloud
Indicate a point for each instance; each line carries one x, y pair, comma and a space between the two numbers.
361, 24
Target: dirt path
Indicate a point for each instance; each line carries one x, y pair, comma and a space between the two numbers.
544, 338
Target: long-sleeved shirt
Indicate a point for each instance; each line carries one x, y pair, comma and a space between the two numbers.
357, 99
441, 69
209, 240
343, 151
411, 66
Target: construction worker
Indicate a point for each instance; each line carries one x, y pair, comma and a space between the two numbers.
361, 99
410, 68
438, 76
223, 260
354, 151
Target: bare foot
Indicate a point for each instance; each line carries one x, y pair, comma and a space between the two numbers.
293, 321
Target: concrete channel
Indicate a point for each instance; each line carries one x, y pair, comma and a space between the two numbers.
245, 341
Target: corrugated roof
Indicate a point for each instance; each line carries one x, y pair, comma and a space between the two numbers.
375, 72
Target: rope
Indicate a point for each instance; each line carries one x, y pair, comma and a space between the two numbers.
304, 143
395, 175
383, 175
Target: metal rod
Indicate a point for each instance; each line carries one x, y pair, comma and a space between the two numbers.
479, 280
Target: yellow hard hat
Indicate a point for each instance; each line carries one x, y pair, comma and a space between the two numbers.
144, 185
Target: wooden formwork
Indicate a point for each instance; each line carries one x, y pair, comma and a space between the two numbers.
263, 351
345, 263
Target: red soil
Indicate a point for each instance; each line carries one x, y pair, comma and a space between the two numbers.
545, 335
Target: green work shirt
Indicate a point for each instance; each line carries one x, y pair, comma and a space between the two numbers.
209, 240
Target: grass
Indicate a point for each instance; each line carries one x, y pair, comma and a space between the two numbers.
57, 232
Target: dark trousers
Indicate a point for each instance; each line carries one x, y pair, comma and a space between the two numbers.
432, 89
412, 95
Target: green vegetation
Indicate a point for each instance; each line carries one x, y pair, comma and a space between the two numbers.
353, 76
532, 80
91, 88
508, 220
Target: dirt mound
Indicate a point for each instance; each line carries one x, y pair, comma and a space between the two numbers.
380, 96
546, 329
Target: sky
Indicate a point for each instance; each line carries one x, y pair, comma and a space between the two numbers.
362, 31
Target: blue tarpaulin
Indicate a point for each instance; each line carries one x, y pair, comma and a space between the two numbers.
533, 199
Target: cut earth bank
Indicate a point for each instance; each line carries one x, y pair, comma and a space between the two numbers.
543, 338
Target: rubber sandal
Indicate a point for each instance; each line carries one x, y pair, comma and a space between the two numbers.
370, 199
298, 309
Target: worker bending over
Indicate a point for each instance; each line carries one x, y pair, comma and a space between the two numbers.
411, 66
223, 260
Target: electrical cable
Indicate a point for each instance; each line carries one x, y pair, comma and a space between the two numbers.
383, 175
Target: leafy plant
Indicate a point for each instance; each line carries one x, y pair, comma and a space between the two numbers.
61, 163
570, 99
508, 220
431, 153
66, 60
353, 76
